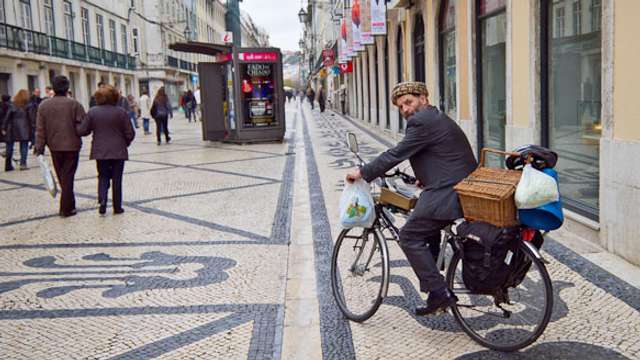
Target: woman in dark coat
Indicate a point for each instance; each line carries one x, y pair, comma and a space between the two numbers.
112, 134
18, 125
160, 112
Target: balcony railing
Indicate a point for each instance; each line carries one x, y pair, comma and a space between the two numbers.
180, 64
15, 38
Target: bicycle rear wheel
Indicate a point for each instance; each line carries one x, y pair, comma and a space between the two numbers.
359, 273
515, 324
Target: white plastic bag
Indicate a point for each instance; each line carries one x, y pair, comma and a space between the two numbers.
356, 206
47, 176
535, 189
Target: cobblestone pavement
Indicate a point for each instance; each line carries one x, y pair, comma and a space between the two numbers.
197, 266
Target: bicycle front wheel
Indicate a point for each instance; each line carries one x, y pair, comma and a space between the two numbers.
512, 325
359, 273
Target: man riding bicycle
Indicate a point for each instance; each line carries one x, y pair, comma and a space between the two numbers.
440, 156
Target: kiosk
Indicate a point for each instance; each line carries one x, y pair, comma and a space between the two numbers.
242, 96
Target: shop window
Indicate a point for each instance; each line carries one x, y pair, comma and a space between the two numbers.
376, 84
447, 54
258, 94
491, 49
571, 102
418, 49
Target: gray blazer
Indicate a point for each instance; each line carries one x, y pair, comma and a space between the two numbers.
440, 156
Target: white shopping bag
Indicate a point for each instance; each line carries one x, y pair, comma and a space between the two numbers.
47, 176
535, 189
356, 206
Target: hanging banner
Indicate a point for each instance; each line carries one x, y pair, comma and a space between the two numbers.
342, 43
355, 20
328, 58
365, 29
350, 52
378, 17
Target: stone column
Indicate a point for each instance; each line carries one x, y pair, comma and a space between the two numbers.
82, 94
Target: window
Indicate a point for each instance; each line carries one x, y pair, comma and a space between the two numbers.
571, 106
399, 72
418, 49
492, 26
123, 35
26, 21
596, 12
112, 36
2, 15
577, 18
447, 54
68, 20
100, 26
135, 40
86, 33
49, 25
558, 30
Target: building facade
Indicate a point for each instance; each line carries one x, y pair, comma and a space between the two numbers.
86, 41
511, 72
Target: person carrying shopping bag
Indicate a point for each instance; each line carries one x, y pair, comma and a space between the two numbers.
112, 134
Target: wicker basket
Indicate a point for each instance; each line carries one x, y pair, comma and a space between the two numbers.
487, 194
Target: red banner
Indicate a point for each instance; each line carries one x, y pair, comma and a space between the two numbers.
328, 57
346, 68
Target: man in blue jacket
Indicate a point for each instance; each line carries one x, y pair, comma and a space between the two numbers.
440, 156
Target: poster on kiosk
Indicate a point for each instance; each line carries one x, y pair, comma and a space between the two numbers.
242, 93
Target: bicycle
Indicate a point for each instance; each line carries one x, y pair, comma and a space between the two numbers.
360, 275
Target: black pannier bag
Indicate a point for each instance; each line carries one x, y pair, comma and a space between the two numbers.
487, 256
492, 260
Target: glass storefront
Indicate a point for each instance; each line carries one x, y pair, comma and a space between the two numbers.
448, 58
258, 94
493, 28
418, 50
574, 103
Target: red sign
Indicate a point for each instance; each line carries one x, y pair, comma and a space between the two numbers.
223, 57
327, 55
257, 56
346, 68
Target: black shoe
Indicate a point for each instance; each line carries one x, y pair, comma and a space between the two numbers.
168, 140
70, 213
118, 211
437, 302
103, 208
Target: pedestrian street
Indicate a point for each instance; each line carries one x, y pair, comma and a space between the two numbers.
224, 252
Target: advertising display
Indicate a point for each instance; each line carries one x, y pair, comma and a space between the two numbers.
229, 106
347, 67
365, 29
378, 17
258, 94
355, 25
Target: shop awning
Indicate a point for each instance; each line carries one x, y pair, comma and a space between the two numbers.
201, 48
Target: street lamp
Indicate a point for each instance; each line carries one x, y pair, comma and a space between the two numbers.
301, 44
187, 33
302, 15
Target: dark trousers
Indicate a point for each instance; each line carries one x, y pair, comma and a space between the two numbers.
342, 105
110, 171
322, 105
24, 151
66, 163
162, 125
420, 241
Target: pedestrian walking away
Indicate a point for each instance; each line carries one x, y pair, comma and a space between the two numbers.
161, 111
112, 134
56, 124
17, 126
145, 111
441, 156
321, 98
311, 95
133, 110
